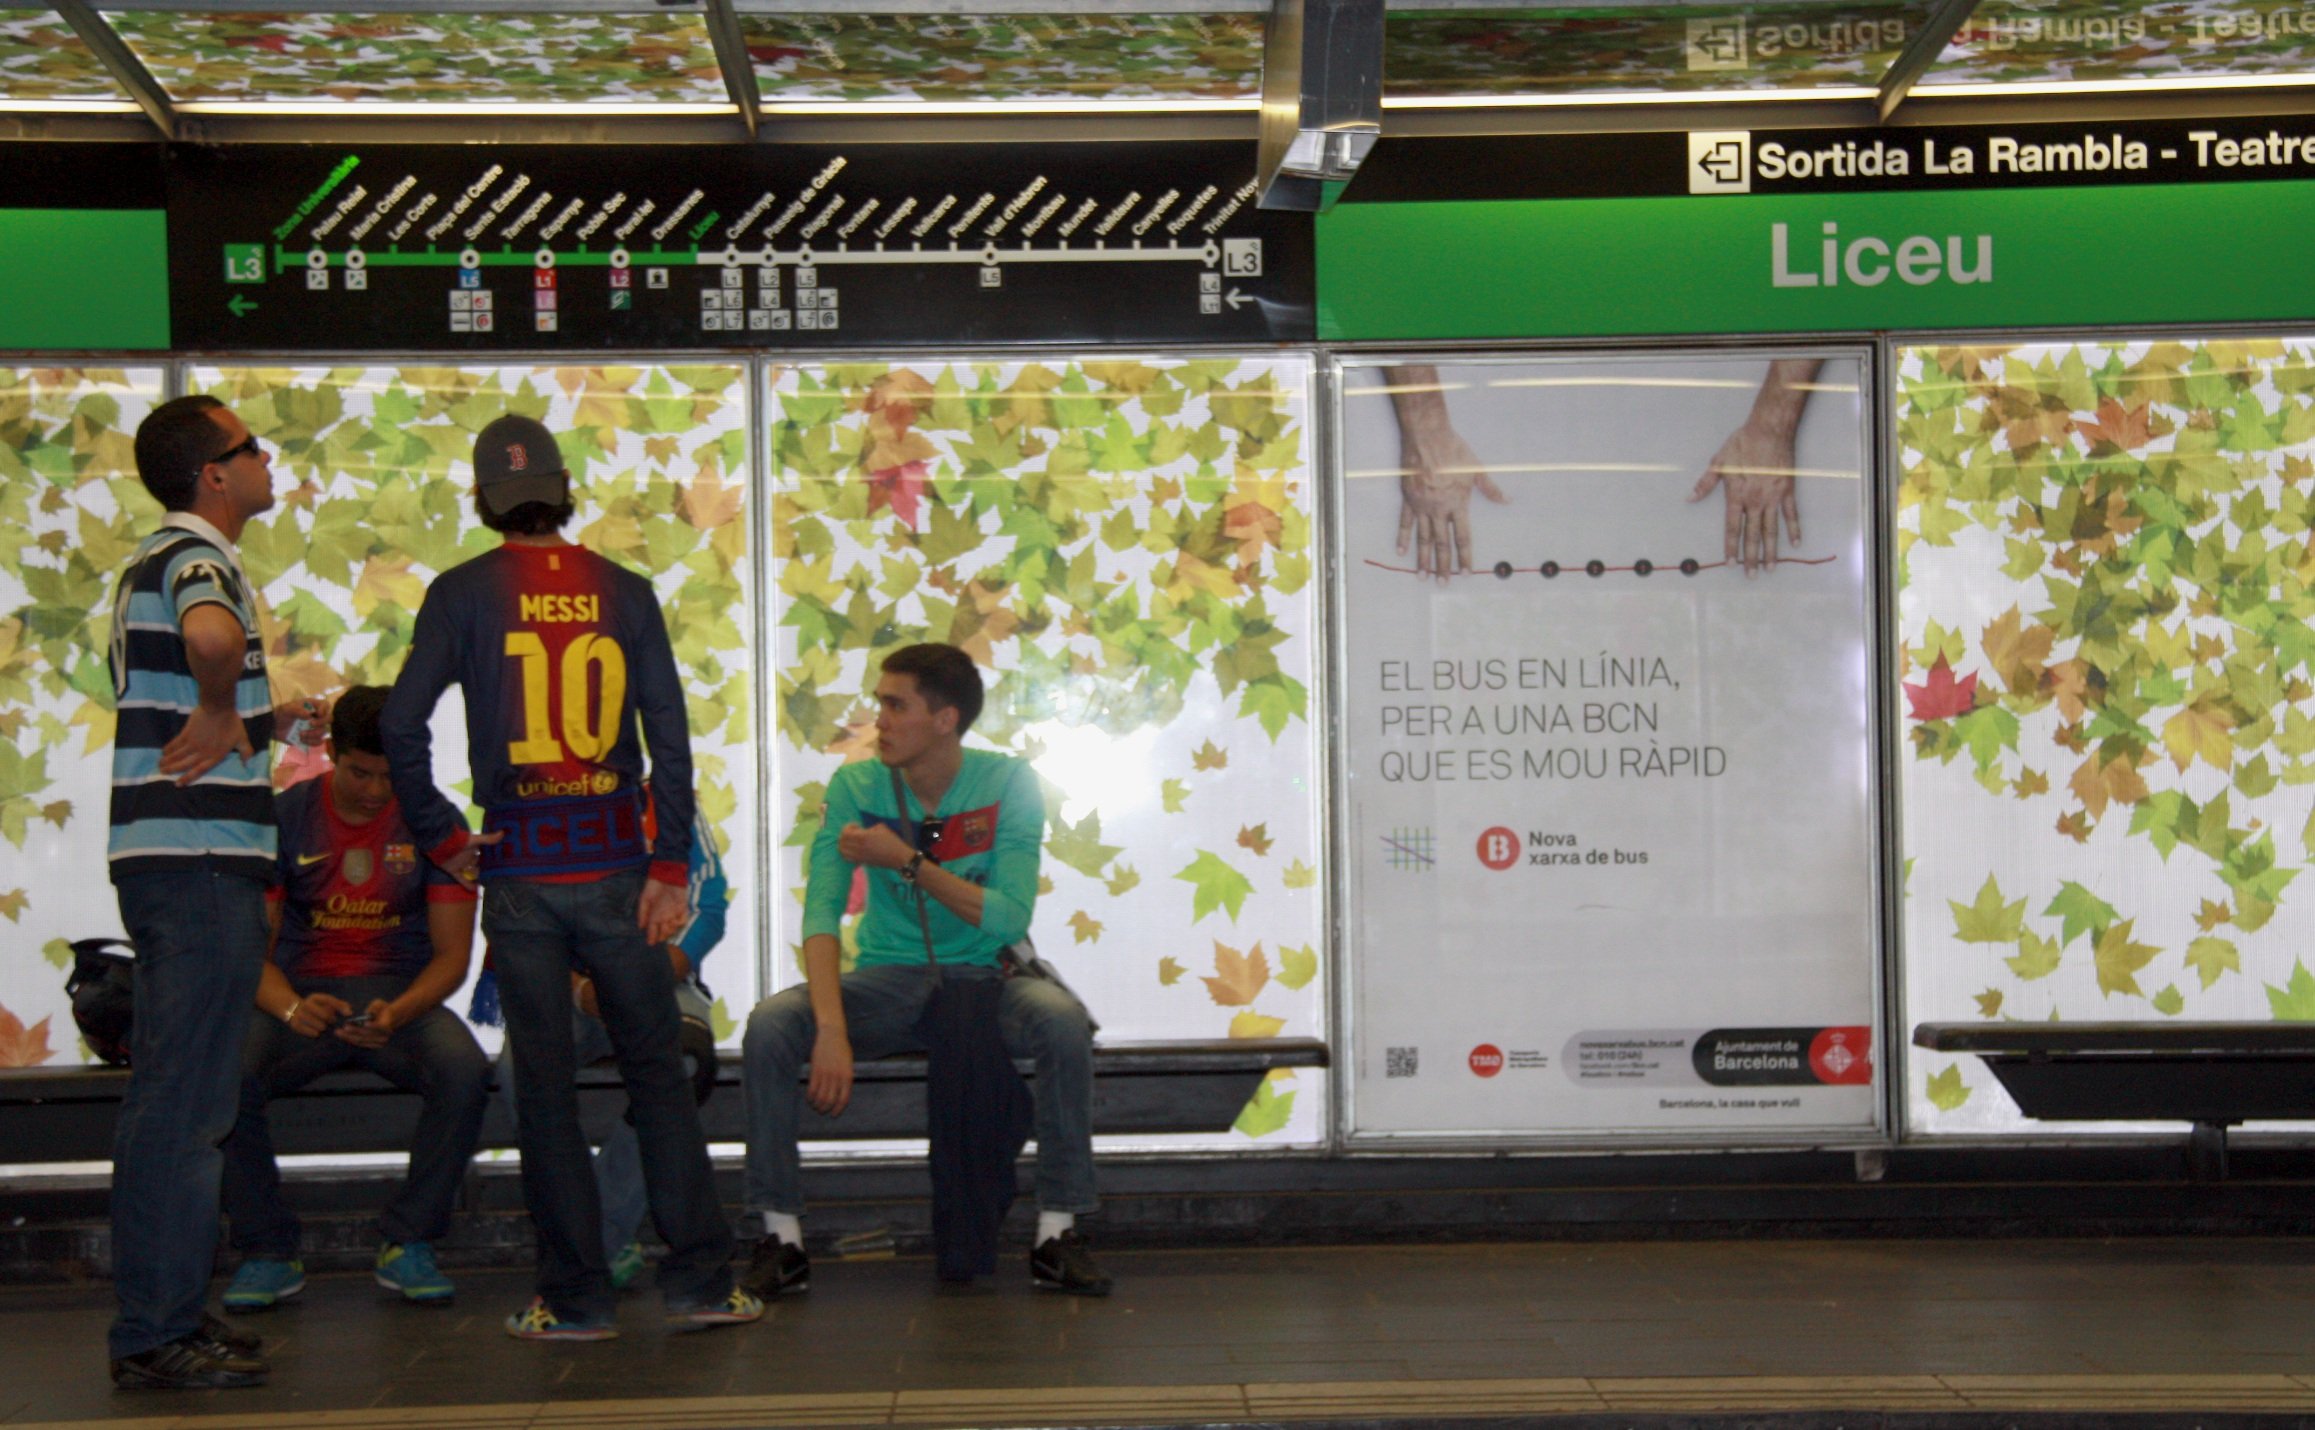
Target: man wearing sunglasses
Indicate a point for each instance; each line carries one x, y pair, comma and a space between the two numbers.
191, 852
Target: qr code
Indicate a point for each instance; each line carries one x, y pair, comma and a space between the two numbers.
1399, 1062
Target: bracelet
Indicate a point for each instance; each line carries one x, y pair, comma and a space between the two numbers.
291, 1016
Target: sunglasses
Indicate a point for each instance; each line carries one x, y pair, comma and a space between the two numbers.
246, 448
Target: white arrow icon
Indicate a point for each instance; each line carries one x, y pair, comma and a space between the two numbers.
1235, 298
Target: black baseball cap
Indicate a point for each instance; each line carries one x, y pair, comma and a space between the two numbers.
516, 461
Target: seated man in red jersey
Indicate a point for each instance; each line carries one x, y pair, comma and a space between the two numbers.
369, 938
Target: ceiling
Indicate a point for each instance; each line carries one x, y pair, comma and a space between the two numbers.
734, 70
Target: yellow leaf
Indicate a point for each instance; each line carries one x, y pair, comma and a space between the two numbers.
1300, 875
2018, 656
386, 581
1251, 1024
708, 503
2119, 959
2200, 730
1084, 926
1170, 971
1255, 837
1239, 977
1209, 756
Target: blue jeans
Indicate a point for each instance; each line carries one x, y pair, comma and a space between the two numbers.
1038, 1020
433, 1055
619, 1160
200, 939
539, 935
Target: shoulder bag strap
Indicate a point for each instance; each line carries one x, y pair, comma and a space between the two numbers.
923, 916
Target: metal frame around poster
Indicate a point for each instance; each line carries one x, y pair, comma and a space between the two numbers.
1880, 878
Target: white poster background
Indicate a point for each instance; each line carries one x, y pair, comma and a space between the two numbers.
1577, 713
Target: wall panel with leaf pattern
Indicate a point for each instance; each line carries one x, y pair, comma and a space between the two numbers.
2107, 578
1126, 546
71, 509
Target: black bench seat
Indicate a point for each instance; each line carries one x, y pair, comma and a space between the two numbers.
67, 1114
2212, 1075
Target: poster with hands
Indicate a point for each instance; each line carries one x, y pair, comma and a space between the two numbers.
1608, 703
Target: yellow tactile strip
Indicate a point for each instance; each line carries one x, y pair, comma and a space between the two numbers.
1327, 1400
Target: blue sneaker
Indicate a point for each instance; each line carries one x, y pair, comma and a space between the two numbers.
538, 1322
263, 1283
626, 1265
410, 1269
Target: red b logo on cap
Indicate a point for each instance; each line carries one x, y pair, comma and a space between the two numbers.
516, 458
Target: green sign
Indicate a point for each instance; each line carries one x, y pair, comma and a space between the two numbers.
1857, 262
84, 278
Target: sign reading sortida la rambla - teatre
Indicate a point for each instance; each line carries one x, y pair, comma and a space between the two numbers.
1746, 233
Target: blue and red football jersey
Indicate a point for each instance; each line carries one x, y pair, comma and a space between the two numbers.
352, 896
560, 655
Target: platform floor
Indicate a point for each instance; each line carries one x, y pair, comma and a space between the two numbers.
1690, 1330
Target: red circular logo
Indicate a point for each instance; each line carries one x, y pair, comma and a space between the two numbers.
1499, 848
1486, 1060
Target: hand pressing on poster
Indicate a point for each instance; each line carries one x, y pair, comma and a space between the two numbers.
1438, 471
1754, 468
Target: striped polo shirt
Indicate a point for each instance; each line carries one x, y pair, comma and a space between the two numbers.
223, 820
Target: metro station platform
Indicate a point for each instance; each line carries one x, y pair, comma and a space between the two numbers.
1878, 1333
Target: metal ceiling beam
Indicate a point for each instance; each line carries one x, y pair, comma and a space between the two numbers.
731, 56
127, 70
1322, 99
1943, 24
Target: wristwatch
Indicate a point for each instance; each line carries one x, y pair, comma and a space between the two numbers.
908, 870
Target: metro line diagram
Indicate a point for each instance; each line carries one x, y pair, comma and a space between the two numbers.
1642, 566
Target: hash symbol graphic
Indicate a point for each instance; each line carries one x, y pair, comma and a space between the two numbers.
1411, 849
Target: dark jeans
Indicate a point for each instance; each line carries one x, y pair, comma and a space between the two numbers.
434, 1056
200, 940
1036, 1018
539, 934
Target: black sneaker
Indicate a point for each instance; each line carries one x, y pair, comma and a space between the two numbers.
230, 1338
187, 1363
1065, 1263
776, 1269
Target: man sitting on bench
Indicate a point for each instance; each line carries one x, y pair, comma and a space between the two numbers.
370, 937
981, 820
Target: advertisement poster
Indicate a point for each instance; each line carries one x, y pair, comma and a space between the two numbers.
1608, 731
2105, 623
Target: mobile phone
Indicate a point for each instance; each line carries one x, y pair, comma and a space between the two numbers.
357, 1020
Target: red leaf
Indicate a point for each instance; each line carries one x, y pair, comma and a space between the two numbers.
900, 488
1941, 697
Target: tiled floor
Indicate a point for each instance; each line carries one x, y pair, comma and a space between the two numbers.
1685, 1328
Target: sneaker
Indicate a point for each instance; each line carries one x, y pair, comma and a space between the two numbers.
187, 1363
232, 1341
1065, 1263
737, 1309
538, 1322
626, 1265
409, 1268
776, 1268
263, 1283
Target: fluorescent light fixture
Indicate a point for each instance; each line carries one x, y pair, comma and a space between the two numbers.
1848, 387
1585, 101
1404, 387
2179, 84
366, 108
1249, 105
1727, 382
67, 106
1502, 468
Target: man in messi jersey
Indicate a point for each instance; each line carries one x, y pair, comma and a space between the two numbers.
370, 937
191, 853
561, 657
981, 817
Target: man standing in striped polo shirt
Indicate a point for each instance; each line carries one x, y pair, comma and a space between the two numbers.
191, 853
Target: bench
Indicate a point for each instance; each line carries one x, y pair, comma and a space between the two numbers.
2211, 1075
67, 1114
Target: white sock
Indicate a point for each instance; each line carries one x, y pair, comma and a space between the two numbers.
1052, 1224
789, 1229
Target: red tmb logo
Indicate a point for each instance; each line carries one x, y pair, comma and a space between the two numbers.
1499, 848
1486, 1060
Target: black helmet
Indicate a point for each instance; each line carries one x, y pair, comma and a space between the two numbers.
101, 987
